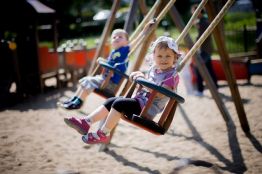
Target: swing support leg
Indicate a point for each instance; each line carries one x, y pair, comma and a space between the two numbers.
218, 36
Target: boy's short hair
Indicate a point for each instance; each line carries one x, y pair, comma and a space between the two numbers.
121, 31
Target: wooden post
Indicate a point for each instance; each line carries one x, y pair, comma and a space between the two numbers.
202, 69
55, 35
107, 29
218, 36
142, 6
132, 15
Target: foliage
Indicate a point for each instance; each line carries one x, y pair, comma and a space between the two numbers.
233, 22
239, 19
238, 40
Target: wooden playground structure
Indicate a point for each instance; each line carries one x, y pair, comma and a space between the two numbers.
158, 11
193, 48
196, 138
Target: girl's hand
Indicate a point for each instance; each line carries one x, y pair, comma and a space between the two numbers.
136, 74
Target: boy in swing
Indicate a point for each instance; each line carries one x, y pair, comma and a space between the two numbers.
118, 58
163, 73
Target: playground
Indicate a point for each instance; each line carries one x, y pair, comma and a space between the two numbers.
35, 139
218, 131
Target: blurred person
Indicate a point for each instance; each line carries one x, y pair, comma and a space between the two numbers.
206, 50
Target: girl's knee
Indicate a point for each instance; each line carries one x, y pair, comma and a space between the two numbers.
118, 104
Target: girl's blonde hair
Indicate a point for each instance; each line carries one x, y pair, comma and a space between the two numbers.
166, 42
163, 42
163, 45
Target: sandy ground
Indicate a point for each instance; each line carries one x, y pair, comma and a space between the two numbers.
35, 140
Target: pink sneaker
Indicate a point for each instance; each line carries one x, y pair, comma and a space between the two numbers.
78, 124
91, 139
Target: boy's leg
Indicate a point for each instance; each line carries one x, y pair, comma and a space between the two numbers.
87, 85
72, 99
79, 99
83, 93
78, 91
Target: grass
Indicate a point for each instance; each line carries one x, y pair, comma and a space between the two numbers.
239, 19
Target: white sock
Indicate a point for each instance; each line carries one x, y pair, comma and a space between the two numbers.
106, 131
95, 136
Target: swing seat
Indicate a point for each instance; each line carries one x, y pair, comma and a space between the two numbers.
103, 91
111, 68
145, 124
142, 121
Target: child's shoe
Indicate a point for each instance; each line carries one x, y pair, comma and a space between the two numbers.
70, 100
80, 125
67, 102
76, 104
72, 106
94, 138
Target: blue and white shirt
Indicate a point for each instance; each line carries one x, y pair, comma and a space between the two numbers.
118, 56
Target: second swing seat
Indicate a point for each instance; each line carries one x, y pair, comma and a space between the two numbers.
105, 90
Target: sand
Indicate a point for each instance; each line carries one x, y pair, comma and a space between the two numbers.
35, 140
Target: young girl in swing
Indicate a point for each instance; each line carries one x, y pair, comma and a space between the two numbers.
162, 72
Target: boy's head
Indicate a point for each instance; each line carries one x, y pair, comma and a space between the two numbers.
119, 38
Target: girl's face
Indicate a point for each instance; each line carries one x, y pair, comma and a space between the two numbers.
118, 40
164, 58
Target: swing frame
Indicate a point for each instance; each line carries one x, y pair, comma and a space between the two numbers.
161, 126
102, 89
212, 26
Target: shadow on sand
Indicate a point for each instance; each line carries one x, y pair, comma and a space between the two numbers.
47, 100
236, 165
